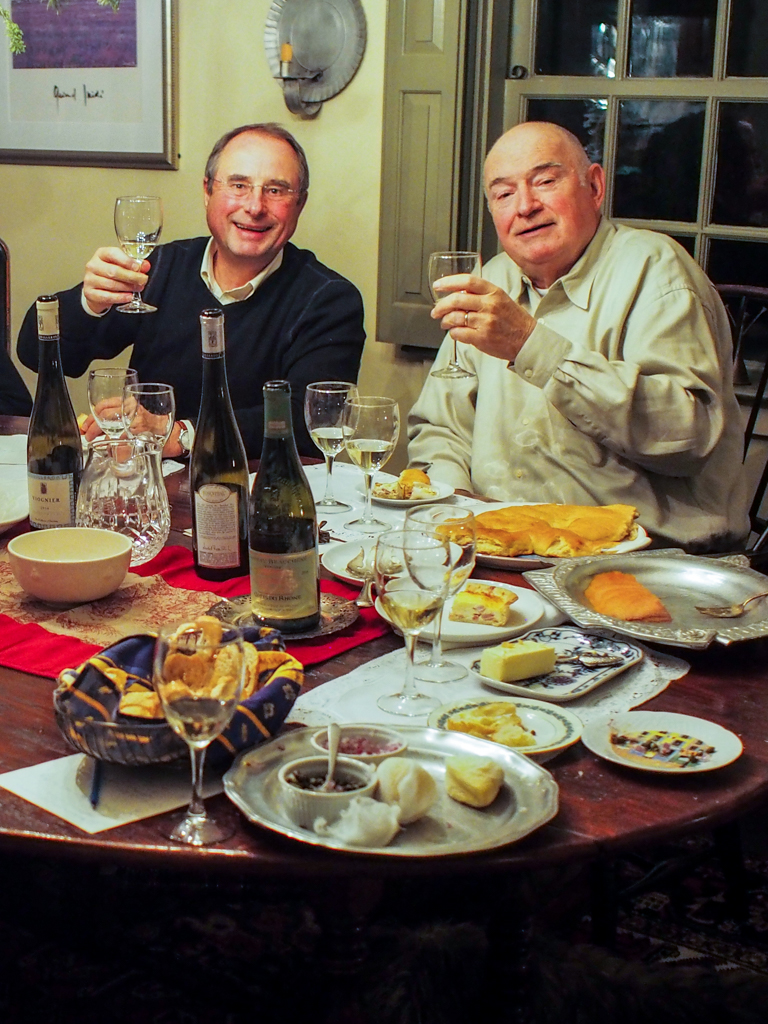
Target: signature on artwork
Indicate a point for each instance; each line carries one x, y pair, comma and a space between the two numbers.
87, 94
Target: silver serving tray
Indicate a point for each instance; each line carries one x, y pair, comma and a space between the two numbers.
681, 581
528, 798
336, 614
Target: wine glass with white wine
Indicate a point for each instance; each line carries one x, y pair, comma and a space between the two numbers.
371, 425
323, 413
138, 223
447, 264
198, 676
412, 574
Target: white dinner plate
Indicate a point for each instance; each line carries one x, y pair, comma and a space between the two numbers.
569, 679
520, 563
523, 614
597, 738
554, 728
336, 558
14, 507
443, 491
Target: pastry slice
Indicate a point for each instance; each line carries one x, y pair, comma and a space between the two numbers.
482, 603
622, 596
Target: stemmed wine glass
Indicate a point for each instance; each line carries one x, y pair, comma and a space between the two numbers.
105, 397
371, 426
323, 412
199, 679
412, 572
446, 264
149, 412
457, 526
138, 223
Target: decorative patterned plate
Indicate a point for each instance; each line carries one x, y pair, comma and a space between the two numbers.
520, 563
523, 614
554, 728
336, 613
681, 581
571, 678
672, 733
527, 800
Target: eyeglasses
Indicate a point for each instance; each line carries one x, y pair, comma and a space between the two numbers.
243, 190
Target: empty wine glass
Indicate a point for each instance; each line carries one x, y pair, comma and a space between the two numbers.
446, 264
412, 574
371, 426
457, 526
105, 397
323, 412
199, 679
138, 223
149, 412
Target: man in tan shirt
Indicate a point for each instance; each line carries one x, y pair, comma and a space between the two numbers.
602, 356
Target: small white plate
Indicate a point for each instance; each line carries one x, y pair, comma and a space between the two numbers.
520, 563
443, 491
597, 738
337, 558
523, 614
568, 680
554, 728
14, 507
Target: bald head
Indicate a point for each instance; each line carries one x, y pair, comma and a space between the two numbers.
544, 196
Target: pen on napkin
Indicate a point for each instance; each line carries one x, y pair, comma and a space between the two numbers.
96, 777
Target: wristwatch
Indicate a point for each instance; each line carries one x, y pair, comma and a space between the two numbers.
185, 438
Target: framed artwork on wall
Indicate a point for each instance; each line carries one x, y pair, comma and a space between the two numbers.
94, 87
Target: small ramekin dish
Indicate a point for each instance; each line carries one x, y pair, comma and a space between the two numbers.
377, 740
303, 806
71, 564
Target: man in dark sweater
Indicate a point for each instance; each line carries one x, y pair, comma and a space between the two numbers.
287, 316
15, 400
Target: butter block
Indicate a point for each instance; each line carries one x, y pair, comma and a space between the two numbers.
474, 781
516, 660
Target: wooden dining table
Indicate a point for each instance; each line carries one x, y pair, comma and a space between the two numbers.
604, 808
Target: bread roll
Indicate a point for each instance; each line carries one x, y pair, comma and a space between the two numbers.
404, 782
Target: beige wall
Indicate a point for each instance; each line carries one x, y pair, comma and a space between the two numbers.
53, 218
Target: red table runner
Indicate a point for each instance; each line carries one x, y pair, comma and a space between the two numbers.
31, 648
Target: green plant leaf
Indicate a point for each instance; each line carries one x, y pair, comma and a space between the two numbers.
15, 35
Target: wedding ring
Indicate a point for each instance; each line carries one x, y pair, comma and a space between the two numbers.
466, 318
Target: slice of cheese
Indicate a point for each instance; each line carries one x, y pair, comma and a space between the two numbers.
474, 781
517, 659
482, 603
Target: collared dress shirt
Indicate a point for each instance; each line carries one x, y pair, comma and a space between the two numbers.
622, 394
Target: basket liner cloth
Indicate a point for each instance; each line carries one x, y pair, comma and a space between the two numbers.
91, 694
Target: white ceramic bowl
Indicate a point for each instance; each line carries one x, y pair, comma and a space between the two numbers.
304, 805
353, 737
70, 565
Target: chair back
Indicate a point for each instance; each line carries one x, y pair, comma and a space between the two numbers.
5, 296
747, 306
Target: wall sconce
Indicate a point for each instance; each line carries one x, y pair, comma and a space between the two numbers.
314, 47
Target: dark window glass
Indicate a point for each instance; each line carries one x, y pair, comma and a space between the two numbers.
585, 118
688, 242
732, 262
747, 52
672, 38
576, 37
658, 159
741, 182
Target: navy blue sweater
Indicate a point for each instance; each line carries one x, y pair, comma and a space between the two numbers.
303, 324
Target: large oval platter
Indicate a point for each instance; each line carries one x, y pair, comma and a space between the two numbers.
527, 800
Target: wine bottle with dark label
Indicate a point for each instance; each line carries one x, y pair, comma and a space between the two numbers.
218, 468
285, 590
54, 446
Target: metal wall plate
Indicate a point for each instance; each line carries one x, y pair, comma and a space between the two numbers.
327, 38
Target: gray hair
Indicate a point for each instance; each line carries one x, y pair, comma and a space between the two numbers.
273, 131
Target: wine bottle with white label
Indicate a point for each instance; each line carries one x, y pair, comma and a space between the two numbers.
285, 591
54, 447
218, 468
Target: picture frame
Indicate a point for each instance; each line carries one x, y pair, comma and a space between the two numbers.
91, 92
